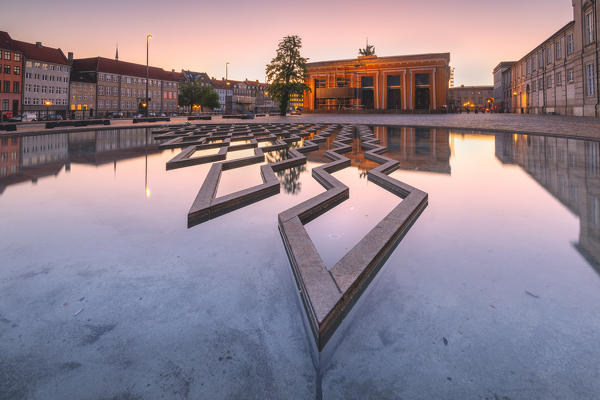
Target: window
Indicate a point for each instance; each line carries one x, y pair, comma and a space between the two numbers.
570, 75
533, 86
528, 67
17, 70
589, 27
541, 83
101, 90
540, 59
29, 64
570, 44
590, 83
533, 66
6, 86
7, 69
44, 66
558, 78
549, 55
16, 88
17, 57
101, 77
558, 50
6, 55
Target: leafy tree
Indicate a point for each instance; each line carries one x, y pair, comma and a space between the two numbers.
193, 94
369, 50
286, 72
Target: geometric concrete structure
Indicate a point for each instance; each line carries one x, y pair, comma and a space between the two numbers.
327, 294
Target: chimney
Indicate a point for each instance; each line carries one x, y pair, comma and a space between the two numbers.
38, 44
173, 70
70, 56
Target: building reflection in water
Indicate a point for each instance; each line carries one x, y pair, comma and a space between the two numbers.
569, 169
417, 149
30, 158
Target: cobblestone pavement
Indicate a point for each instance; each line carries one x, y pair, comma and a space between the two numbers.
584, 127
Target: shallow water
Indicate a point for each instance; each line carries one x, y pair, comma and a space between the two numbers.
493, 293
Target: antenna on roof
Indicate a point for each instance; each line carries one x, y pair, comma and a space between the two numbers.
117, 52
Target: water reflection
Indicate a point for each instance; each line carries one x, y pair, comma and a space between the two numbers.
569, 169
30, 158
418, 149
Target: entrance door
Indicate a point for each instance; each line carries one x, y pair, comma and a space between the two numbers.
15, 107
422, 98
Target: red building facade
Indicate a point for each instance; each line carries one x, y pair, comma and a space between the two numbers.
11, 77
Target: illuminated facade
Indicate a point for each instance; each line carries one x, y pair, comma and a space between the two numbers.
560, 76
371, 83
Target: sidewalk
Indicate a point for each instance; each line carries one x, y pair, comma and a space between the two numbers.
581, 127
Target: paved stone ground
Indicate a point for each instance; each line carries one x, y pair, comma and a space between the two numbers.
543, 124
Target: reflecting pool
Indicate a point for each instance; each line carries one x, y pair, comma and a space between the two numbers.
494, 292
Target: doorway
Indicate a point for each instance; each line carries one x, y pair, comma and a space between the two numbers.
422, 98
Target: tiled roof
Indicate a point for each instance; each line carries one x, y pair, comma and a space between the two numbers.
107, 65
41, 53
6, 42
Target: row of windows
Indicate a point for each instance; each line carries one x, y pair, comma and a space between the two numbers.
38, 102
45, 77
6, 69
5, 87
4, 156
51, 67
590, 83
83, 97
45, 89
8, 55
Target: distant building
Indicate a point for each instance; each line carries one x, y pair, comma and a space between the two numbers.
451, 81
225, 92
398, 83
560, 76
503, 86
121, 86
238, 97
82, 92
471, 97
45, 87
200, 77
11, 77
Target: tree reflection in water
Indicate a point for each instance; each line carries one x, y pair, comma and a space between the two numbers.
289, 178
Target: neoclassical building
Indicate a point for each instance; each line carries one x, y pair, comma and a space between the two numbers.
560, 76
396, 84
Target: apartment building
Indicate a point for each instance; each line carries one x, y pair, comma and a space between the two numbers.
560, 76
45, 76
120, 86
11, 77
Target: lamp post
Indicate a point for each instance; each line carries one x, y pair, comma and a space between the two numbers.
148, 37
227, 71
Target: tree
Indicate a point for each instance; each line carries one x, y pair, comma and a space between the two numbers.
193, 94
369, 50
286, 72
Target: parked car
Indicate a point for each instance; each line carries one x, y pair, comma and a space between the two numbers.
115, 115
139, 115
28, 117
162, 115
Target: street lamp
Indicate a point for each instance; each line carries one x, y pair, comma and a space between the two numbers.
47, 103
148, 37
227, 71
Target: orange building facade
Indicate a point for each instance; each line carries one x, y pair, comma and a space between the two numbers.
370, 83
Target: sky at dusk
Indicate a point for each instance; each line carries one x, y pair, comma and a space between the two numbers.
204, 35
